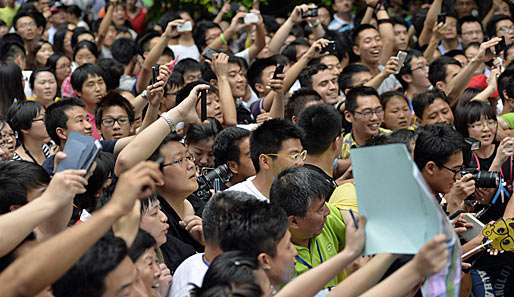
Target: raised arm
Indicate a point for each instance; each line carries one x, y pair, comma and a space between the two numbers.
280, 36
30, 274
430, 20
235, 26
224, 10
434, 41
148, 140
370, 10
260, 38
228, 106
386, 30
391, 67
105, 23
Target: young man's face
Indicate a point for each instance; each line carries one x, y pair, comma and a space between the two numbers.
464, 7
471, 32
282, 265
266, 76
419, 72
245, 167
237, 80
120, 281
325, 83
192, 76
26, 27
285, 157
441, 179
342, 6
360, 78
451, 28
437, 112
451, 71
367, 117
333, 64
401, 37
93, 89
369, 46
115, 123
77, 121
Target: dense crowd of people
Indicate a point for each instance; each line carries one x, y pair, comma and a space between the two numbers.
225, 140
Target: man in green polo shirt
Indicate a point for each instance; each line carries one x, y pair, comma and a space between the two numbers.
317, 228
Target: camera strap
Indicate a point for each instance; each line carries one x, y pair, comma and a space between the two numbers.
502, 191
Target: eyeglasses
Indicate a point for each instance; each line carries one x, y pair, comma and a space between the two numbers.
295, 157
507, 30
181, 161
480, 125
421, 67
456, 172
109, 122
477, 32
368, 114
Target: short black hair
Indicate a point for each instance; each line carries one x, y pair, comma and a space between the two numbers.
21, 114
23, 13
186, 65
113, 70
470, 112
468, 19
307, 74
124, 50
82, 73
173, 137
354, 93
17, 178
290, 50
198, 132
322, 124
200, 30
94, 266
144, 40
407, 68
296, 188
91, 46
232, 219
186, 90
422, 100
142, 242
387, 96
346, 77
255, 71
113, 99
296, 103
226, 145
268, 138
436, 143
230, 274
76, 33
36, 71
437, 69
55, 116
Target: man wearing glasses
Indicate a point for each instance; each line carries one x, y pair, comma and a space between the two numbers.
274, 146
114, 117
414, 74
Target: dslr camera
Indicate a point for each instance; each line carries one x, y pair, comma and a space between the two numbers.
212, 180
483, 179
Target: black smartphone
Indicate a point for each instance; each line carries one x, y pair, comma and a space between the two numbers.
209, 53
329, 48
203, 105
441, 18
278, 70
501, 46
155, 73
311, 12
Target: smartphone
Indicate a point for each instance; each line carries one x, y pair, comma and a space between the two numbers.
251, 18
209, 53
501, 46
329, 48
311, 12
203, 105
155, 73
278, 70
475, 230
185, 27
401, 58
441, 18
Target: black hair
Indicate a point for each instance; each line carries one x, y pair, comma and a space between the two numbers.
76, 34
24, 13
491, 26
296, 103
238, 61
11, 86
436, 143
186, 65
470, 112
37, 71
143, 242
438, 68
59, 37
506, 82
232, 219
168, 17
17, 178
268, 138
387, 96
354, 93
75, 10
255, 71
38, 47
296, 188
307, 74
422, 100
198, 132
55, 116
113, 70
82, 73
12, 47
53, 59
226, 145
89, 45
173, 137
124, 50
143, 39
230, 274
407, 67
21, 114
113, 99
355, 35
290, 50
468, 19
321, 124
199, 32
402, 136
346, 77
94, 266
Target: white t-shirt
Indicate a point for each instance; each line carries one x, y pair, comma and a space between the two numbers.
248, 187
192, 270
182, 52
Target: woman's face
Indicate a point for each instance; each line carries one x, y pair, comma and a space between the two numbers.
38, 130
84, 56
63, 68
213, 107
67, 42
43, 53
154, 221
45, 88
483, 130
119, 16
397, 114
148, 268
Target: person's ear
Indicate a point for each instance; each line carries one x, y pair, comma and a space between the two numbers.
260, 87
213, 82
265, 261
62, 133
233, 166
348, 116
295, 119
293, 222
441, 86
356, 50
407, 78
430, 168
265, 162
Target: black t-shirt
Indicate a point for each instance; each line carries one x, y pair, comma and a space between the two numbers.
179, 243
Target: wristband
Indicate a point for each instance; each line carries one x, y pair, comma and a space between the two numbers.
222, 38
384, 21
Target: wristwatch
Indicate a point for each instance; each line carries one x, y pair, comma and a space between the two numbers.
169, 121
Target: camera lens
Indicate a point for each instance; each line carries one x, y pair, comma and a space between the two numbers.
486, 179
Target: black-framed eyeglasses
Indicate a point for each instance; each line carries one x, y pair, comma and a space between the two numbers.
109, 122
179, 162
456, 172
368, 114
